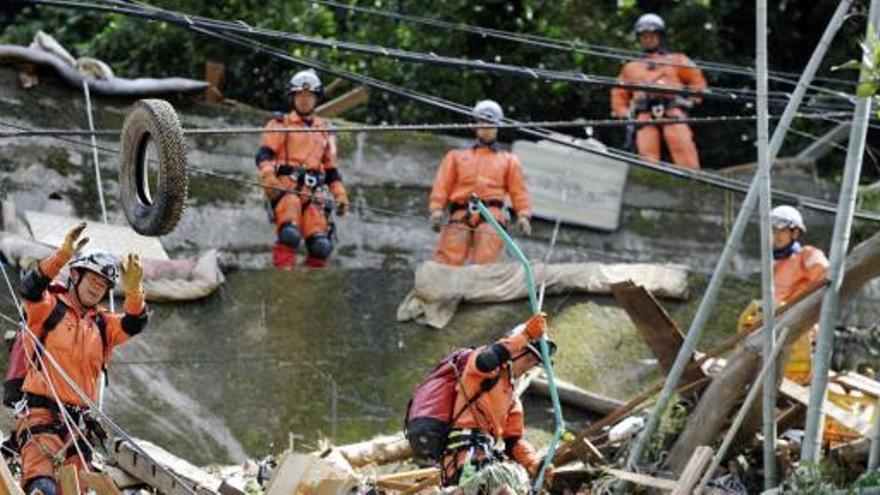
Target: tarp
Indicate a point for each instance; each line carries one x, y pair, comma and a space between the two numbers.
439, 288
116, 86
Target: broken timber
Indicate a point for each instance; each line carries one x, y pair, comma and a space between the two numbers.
8, 486
728, 387
576, 397
130, 460
656, 326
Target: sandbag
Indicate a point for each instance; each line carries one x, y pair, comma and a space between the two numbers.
439, 288
184, 279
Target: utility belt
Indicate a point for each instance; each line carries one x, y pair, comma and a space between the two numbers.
473, 217
471, 441
656, 106
304, 177
78, 416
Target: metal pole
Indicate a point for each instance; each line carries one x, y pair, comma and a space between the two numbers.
766, 246
699, 322
769, 363
874, 453
839, 243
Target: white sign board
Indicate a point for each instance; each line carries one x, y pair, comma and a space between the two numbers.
117, 240
572, 185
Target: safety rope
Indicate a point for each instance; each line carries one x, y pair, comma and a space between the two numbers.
571, 46
195, 23
550, 124
66, 418
82, 395
517, 253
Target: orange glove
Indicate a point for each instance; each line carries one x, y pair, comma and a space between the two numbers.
537, 325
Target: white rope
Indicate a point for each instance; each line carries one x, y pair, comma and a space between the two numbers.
65, 415
85, 398
103, 212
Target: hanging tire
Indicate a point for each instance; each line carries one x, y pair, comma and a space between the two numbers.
153, 211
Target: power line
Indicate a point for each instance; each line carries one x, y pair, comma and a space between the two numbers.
421, 127
631, 158
575, 46
241, 28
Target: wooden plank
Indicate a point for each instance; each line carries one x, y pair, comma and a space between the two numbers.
693, 471
859, 382
304, 473
8, 486
592, 451
429, 482
99, 482
68, 480
345, 102
643, 480
833, 411
656, 327
399, 486
131, 461
410, 475
576, 397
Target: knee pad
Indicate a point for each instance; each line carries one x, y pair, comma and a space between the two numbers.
44, 484
289, 234
319, 246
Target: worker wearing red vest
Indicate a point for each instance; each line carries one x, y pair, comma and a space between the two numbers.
657, 67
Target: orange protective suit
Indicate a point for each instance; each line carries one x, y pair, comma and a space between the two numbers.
791, 277
497, 413
660, 69
303, 164
77, 346
490, 173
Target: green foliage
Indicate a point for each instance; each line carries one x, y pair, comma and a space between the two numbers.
869, 66
808, 479
715, 30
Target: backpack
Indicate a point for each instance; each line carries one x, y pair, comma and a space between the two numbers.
17, 369
430, 413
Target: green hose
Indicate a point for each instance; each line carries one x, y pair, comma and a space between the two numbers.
545, 351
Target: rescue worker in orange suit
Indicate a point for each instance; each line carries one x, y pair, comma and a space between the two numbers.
296, 170
485, 171
490, 422
81, 341
796, 269
657, 67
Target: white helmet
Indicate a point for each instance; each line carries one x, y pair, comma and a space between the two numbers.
305, 80
488, 111
99, 262
650, 23
785, 216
